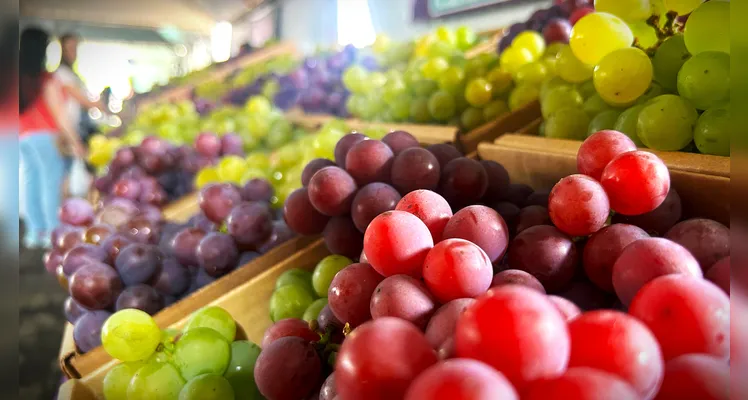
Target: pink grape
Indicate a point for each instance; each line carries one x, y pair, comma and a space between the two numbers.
461, 379
344, 146
443, 323
517, 277
404, 297
482, 226
598, 150
578, 205
397, 242
369, 161
399, 141
568, 309
603, 249
636, 182
350, 293
77, 212
331, 191
312, 167
430, 208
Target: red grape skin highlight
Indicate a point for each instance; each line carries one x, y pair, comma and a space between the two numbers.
430, 208
397, 242
482, 226
457, 268
636, 182
602, 250
578, 205
599, 149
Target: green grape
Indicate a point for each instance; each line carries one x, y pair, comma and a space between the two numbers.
207, 387
281, 194
603, 121
495, 109
419, 110
400, 108
666, 123
465, 38
326, 270
446, 35
354, 78
626, 123
567, 123
475, 68
570, 68
646, 36
668, 60
623, 75
682, 7
586, 88
595, 105
523, 95
598, 34
704, 79
205, 176
478, 92
708, 28
375, 132
117, 380
215, 318
489, 60
541, 129
259, 126
394, 88
424, 88
514, 57
630, 10
471, 118
712, 132
200, 351
551, 83
558, 98
130, 335
270, 88
289, 301
500, 80
549, 62
156, 381
434, 67
452, 80
442, 106
532, 42
313, 310
553, 49
654, 90
240, 372
231, 168
533, 73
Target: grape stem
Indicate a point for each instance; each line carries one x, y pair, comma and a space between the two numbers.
670, 28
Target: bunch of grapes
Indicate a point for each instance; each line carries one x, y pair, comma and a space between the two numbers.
204, 360
669, 93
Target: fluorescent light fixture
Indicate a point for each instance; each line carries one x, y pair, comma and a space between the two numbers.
354, 23
220, 41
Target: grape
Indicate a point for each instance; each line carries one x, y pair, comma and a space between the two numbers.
441, 326
646, 259
419, 110
289, 327
367, 161
328, 322
695, 376
415, 168
350, 292
434, 67
719, 274
597, 35
300, 214
546, 253
582, 383
704, 79
461, 379
82, 254
631, 10
513, 58
95, 286
52, 259
623, 75
372, 200
708, 28
523, 95
570, 68
637, 182
538, 198
532, 41
707, 240
603, 249
289, 301
595, 104
328, 390
498, 180
130, 335
200, 221
567, 123
331, 191
87, 330
480, 225
215, 318
217, 254
668, 60
297, 277
257, 190
452, 80
312, 312
344, 146
117, 380
667, 111
208, 144
599, 149
626, 124
281, 234
77, 212
578, 205
403, 297
342, 237
173, 279
478, 92
288, 368
201, 351
444, 153
471, 118
142, 230
517, 277
500, 80
156, 380
568, 309
495, 109
532, 344
558, 98
249, 223
712, 131
217, 200
396, 242
73, 310
619, 344
380, 359
557, 30
97, 233
430, 208
240, 372
312, 167
463, 181
325, 271
141, 297
208, 387
184, 243
518, 193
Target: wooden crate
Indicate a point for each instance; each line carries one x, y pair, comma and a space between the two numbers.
511, 122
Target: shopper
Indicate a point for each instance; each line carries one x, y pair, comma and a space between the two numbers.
45, 132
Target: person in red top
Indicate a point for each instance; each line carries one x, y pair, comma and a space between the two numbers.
45, 130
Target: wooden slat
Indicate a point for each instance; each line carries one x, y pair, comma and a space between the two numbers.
181, 210
511, 122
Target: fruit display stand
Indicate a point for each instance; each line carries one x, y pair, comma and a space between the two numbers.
511, 122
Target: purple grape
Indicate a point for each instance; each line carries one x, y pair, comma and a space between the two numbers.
141, 297
257, 189
173, 278
328, 390
232, 144
128, 188
87, 330
342, 237
217, 201
73, 310
123, 157
331, 191
83, 254
202, 222
138, 263
538, 198
281, 234
505, 42
287, 98
301, 216
510, 213
217, 254
328, 321
658, 221
151, 213
369, 161
531, 216
344, 146
372, 200
202, 279
115, 243
154, 145
95, 286
463, 181
707, 240
415, 168
208, 144
288, 368
312, 167
249, 223
143, 230
498, 181
299, 78
444, 153
399, 141
518, 193
546, 253
77, 212
184, 243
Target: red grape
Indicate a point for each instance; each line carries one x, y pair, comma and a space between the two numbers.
442, 325
257, 189
328, 391
73, 310
482, 226
532, 216
369, 161
138, 263
517, 277
696, 377
95, 286
289, 327
598, 150
115, 243
217, 254
77, 212
707, 240
444, 153
397, 242
557, 30
327, 321
646, 259
719, 274
518, 193
380, 359
577, 14
538, 198
587, 296
510, 213
232, 144
289, 368
568, 309
344, 146
578, 205
184, 243
447, 350
342, 237
430, 208
464, 181
399, 141
415, 168
95, 234
141, 297
143, 230
68, 239
312, 167
52, 259
216, 200
546, 253
461, 379
372, 200
581, 383
516, 330
128, 188
617, 343
249, 223
403, 297
331, 191
658, 221
82, 254
208, 144
603, 249
637, 182
686, 314
173, 279
87, 330
498, 180
350, 293
300, 214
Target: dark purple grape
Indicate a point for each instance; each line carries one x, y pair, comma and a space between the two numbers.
557, 30
249, 223
173, 278
464, 181
505, 42
52, 259
138, 263
299, 78
115, 243
546, 253
95, 286
289, 368
143, 230
444, 153
208, 144
498, 181
201, 279
602, 250
202, 222
415, 168
300, 214
531, 216
372, 200
538, 198
73, 310
328, 390
399, 141
517, 277
77, 212
331, 191
344, 146
217, 254
518, 194
87, 330
658, 221
217, 200
706, 239
128, 188
312, 167
281, 234
342, 237
587, 296
232, 144
141, 297
510, 213
369, 161
328, 321
151, 213
83, 254
257, 189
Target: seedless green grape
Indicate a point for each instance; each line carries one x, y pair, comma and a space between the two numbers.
419, 110
570, 68
156, 381
630, 10
598, 34
289, 302
623, 75
586, 88
567, 123
626, 123
471, 118
522, 95
551, 83
514, 57
682, 7
500, 80
207, 387
558, 98
708, 28
215, 318
494, 109
202, 351
655, 89
452, 80
400, 108
704, 80
130, 335
295, 276
666, 123
532, 41
712, 132
595, 105
604, 120
313, 310
117, 380
478, 92
434, 67
442, 106
326, 270
533, 73
240, 372
668, 60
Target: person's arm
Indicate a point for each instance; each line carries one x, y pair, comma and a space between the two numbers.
81, 97
55, 102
